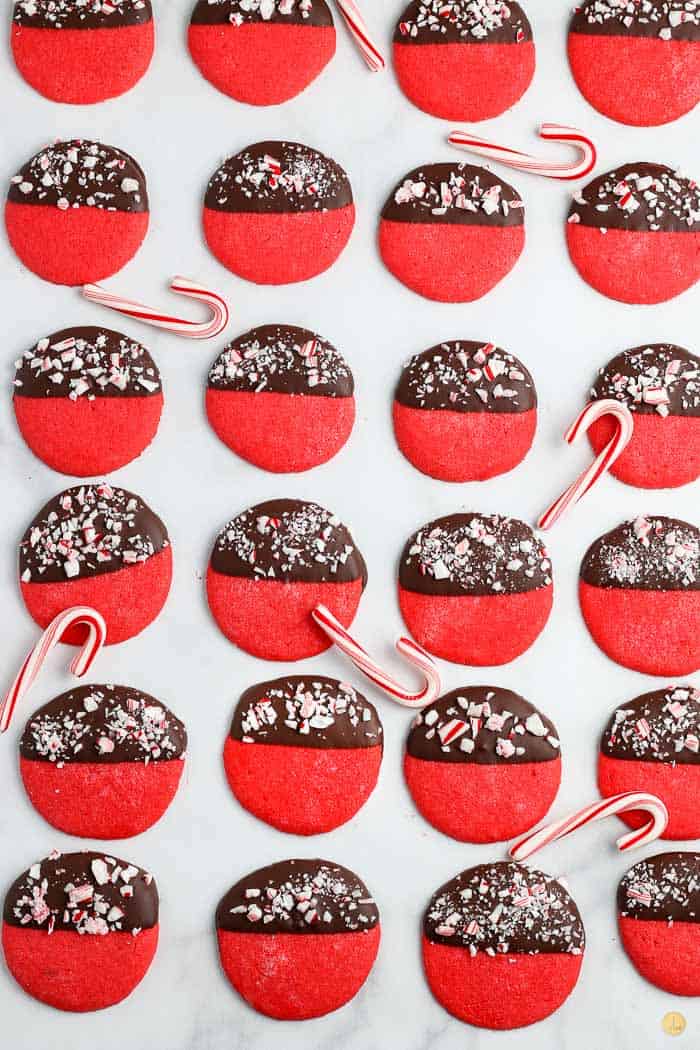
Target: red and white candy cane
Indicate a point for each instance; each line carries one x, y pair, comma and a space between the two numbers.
360, 34
363, 662
150, 315
607, 807
603, 461
80, 664
513, 158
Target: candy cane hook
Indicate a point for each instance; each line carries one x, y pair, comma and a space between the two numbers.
513, 158
150, 315
360, 34
364, 662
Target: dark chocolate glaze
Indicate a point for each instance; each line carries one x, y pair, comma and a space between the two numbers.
462, 22
661, 726
474, 554
288, 539
640, 197
310, 711
89, 530
456, 194
86, 362
278, 177
656, 19
662, 888
465, 376
485, 726
515, 909
70, 14
282, 359
81, 174
104, 724
647, 554
262, 12
89, 893
658, 379
298, 896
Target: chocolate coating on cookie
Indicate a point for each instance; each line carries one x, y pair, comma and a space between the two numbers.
81, 174
298, 896
660, 379
661, 726
72, 14
456, 194
463, 22
505, 908
662, 888
262, 12
655, 19
475, 554
640, 197
88, 893
647, 554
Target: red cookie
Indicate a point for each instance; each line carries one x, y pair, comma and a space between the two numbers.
100, 546
81, 53
271, 566
303, 730
502, 945
464, 60
660, 384
282, 398
80, 930
643, 212
278, 212
637, 63
77, 211
658, 905
482, 764
87, 400
452, 231
261, 51
475, 588
465, 411
298, 939
640, 595
102, 761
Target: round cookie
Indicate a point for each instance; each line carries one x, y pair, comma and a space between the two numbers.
639, 591
482, 764
101, 546
82, 53
261, 51
278, 212
282, 398
660, 384
464, 60
271, 566
102, 761
87, 400
502, 945
637, 63
298, 938
451, 232
658, 906
80, 930
305, 730
475, 588
644, 212
77, 211
465, 411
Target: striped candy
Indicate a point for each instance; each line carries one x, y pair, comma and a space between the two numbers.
360, 34
513, 158
183, 286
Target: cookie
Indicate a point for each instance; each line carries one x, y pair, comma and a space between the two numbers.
87, 400
77, 211
660, 384
451, 232
262, 52
305, 730
465, 411
81, 53
502, 945
482, 764
637, 63
639, 591
645, 212
475, 588
102, 761
101, 546
271, 566
298, 939
658, 906
80, 930
282, 398
278, 212
464, 60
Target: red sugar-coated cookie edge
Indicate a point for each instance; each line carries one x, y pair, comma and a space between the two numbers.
667, 956
663, 453
677, 785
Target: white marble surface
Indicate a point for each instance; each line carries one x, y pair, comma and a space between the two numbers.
180, 129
